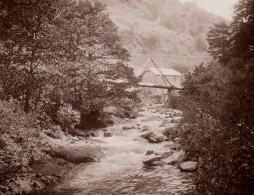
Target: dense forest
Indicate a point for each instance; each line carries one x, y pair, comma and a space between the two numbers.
218, 103
53, 55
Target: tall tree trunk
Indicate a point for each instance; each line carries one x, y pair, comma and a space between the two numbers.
27, 100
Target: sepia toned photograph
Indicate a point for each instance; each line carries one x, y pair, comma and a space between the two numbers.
126, 97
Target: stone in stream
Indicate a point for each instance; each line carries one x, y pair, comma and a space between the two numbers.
107, 134
177, 113
152, 160
174, 120
170, 132
174, 146
153, 136
76, 153
116, 111
166, 154
166, 121
188, 166
157, 163
162, 125
176, 157
145, 128
127, 128
149, 152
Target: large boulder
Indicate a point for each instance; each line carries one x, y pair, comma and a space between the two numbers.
153, 136
170, 132
176, 157
188, 166
76, 154
152, 160
116, 111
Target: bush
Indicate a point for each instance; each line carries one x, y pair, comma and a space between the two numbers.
68, 117
20, 139
174, 102
225, 156
218, 129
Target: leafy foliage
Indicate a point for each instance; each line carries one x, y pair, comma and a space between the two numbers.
60, 56
19, 138
218, 109
59, 63
217, 130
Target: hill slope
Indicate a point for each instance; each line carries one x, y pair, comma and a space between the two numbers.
164, 28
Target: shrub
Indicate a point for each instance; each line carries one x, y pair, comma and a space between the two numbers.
174, 102
68, 117
225, 155
218, 129
20, 139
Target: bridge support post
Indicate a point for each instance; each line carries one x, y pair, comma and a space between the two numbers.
169, 93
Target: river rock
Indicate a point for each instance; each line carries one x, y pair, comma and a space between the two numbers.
169, 160
153, 136
189, 166
174, 120
170, 132
177, 113
109, 121
116, 111
174, 146
76, 153
145, 128
157, 163
151, 160
127, 128
107, 134
166, 121
176, 157
149, 152
166, 154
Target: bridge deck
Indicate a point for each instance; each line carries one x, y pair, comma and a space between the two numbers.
158, 86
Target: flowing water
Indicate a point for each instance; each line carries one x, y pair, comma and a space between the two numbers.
121, 170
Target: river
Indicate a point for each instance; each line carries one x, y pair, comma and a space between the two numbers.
120, 170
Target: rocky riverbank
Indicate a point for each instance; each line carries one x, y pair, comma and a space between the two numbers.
59, 157
139, 156
168, 130
156, 127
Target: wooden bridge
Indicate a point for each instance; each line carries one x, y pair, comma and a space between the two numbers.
169, 87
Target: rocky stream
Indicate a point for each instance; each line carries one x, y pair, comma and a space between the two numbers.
139, 156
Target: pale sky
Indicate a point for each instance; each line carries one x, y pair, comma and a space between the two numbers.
219, 7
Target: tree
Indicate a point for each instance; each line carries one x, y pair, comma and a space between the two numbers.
48, 46
220, 116
218, 39
27, 47
242, 29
